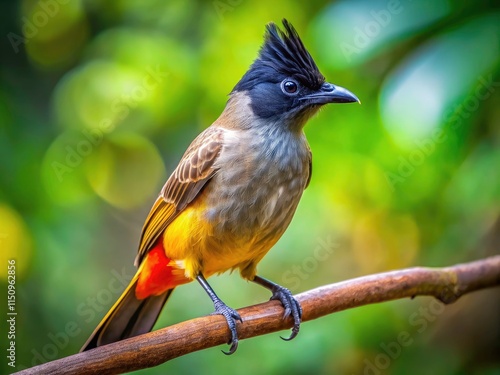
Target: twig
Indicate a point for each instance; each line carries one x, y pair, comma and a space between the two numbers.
446, 284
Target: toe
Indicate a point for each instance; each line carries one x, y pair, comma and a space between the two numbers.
231, 316
292, 307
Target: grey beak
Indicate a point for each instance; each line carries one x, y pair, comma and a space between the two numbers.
329, 93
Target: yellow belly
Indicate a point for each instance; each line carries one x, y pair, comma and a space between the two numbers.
190, 241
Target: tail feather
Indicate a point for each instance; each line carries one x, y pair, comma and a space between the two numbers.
128, 317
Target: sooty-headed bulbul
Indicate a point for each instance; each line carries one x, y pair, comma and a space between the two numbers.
234, 192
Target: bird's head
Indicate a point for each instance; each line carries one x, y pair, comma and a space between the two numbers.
284, 85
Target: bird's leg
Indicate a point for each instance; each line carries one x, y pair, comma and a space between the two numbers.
291, 305
221, 308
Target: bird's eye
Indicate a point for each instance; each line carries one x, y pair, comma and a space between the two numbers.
289, 87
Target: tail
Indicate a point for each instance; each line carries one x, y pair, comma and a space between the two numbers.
128, 317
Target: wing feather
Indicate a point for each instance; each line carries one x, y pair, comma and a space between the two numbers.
183, 186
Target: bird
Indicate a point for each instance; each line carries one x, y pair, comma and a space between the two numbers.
233, 193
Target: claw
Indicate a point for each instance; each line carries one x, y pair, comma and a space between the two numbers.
231, 316
232, 349
292, 307
221, 308
295, 332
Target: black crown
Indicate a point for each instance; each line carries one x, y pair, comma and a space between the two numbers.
282, 53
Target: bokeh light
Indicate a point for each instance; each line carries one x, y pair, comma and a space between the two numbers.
122, 163
415, 99
16, 242
99, 100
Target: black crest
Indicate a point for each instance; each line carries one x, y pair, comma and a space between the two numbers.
284, 53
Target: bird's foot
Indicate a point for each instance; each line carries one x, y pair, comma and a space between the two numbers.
221, 308
231, 316
292, 307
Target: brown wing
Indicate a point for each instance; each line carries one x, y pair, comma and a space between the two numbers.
193, 172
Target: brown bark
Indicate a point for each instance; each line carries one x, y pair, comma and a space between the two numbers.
446, 284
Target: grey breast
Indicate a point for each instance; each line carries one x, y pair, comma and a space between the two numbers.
260, 181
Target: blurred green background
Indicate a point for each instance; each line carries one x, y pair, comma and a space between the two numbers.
99, 99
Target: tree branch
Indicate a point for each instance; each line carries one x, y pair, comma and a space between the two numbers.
446, 284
